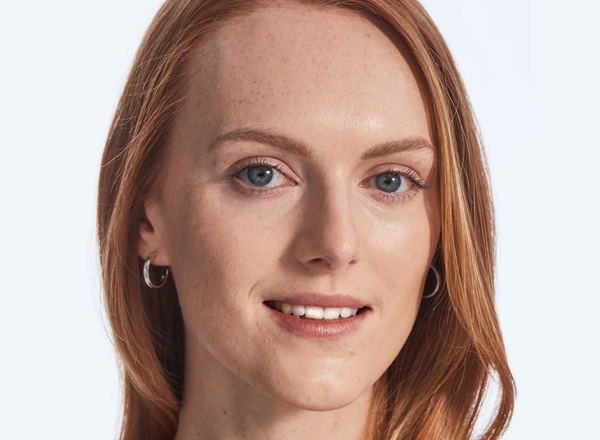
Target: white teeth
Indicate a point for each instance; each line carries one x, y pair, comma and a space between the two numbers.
331, 313
346, 312
298, 310
314, 312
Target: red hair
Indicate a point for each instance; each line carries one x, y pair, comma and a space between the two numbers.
435, 387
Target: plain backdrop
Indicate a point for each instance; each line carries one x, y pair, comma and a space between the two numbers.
531, 69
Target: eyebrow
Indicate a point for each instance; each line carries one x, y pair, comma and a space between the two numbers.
262, 137
388, 148
301, 149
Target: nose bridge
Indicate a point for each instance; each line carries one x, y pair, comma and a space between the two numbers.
330, 236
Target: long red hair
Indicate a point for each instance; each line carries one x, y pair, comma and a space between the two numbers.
436, 386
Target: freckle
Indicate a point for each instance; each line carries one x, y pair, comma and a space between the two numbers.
335, 423
224, 413
293, 430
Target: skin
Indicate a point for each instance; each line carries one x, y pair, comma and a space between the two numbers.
340, 86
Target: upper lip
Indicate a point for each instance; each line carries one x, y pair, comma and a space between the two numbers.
322, 300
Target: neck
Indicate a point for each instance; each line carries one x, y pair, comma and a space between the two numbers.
218, 405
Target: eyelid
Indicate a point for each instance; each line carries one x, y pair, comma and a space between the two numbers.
416, 181
256, 161
403, 170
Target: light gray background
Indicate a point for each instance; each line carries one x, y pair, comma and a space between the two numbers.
531, 68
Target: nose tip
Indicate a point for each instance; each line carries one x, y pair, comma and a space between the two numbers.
329, 239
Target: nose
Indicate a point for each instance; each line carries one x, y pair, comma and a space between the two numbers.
328, 239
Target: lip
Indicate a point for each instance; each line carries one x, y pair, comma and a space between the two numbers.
320, 300
320, 329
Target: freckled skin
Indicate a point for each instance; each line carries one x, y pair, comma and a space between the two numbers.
339, 84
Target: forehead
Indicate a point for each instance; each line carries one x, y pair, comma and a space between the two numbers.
310, 70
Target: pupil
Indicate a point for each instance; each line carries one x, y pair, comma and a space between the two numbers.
388, 182
260, 176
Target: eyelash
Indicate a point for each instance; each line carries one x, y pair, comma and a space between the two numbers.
409, 174
258, 162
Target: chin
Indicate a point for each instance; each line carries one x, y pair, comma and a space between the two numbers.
316, 400
315, 389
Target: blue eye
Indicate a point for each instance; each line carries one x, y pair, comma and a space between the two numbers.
260, 175
389, 182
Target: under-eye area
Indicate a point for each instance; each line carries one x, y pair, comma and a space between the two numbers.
315, 313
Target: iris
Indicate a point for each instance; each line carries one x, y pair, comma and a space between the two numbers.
388, 182
260, 176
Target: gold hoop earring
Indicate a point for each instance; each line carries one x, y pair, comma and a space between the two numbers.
147, 279
438, 284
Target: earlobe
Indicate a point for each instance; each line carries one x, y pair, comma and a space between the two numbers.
149, 239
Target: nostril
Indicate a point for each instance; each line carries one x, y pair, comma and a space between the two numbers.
320, 262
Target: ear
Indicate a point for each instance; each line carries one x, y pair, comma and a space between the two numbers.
149, 239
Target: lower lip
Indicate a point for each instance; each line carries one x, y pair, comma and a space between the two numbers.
319, 329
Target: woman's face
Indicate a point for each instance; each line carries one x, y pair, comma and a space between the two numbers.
296, 175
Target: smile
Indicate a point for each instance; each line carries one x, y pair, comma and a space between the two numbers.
313, 312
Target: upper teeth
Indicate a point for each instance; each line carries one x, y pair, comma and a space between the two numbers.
314, 312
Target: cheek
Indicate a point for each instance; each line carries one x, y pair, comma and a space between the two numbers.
398, 252
223, 254
221, 250
222, 238
400, 246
